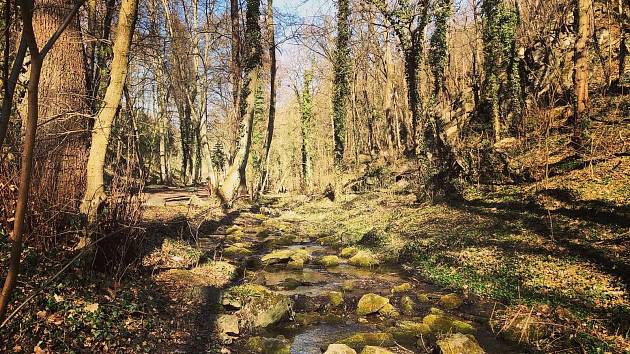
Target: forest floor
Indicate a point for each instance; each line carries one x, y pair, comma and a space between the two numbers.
539, 268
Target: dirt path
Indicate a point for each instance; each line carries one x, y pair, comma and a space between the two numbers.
266, 287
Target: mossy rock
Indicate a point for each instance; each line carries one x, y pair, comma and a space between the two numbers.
296, 264
363, 259
332, 241
348, 252
423, 298
451, 301
227, 327
338, 348
459, 343
278, 345
389, 311
370, 349
358, 341
307, 318
407, 332
286, 255
407, 305
335, 298
371, 303
329, 261
261, 306
441, 323
402, 288
347, 286
232, 229
417, 328
237, 250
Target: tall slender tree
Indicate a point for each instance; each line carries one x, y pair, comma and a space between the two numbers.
583, 10
341, 81
252, 70
95, 193
272, 95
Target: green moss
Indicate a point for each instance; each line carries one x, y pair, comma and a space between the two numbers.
404, 287
329, 261
335, 298
359, 340
451, 301
440, 323
264, 345
363, 259
370, 303
348, 252
407, 305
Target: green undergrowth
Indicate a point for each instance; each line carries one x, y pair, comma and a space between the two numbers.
556, 243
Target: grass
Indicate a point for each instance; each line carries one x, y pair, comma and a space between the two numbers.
557, 243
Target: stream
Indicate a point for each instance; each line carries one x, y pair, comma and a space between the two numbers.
314, 322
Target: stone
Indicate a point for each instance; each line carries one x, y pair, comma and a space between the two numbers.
335, 298
307, 318
347, 286
451, 301
348, 252
278, 345
459, 344
233, 229
329, 261
407, 305
261, 307
339, 349
371, 303
296, 264
298, 257
363, 259
370, 349
423, 298
402, 288
389, 311
441, 323
227, 327
358, 341
237, 249
417, 328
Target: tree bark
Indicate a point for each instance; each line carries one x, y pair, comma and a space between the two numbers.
62, 148
272, 96
26, 168
235, 177
95, 191
341, 81
581, 70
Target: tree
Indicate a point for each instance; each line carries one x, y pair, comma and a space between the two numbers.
409, 22
26, 167
501, 66
580, 72
272, 96
61, 152
341, 83
305, 100
95, 191
253, 65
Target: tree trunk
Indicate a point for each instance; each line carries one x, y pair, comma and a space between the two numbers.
235, 177
580, 71
61, 151
26, 166
9, 89
341, 81
624, 45
95, 191
413, 94
272, 96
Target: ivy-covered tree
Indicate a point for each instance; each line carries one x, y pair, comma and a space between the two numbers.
235, 177
440, 168
341, 81
409, 22
502, 80
306, 115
